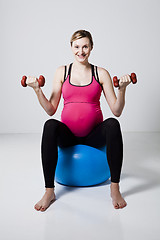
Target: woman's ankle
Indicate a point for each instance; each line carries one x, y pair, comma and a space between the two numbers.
50, 190
115, 185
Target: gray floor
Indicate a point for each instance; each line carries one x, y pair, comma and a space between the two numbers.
79, 213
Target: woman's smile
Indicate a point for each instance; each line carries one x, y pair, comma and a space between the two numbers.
81, 56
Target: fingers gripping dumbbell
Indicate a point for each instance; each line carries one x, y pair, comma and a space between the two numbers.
41, 81
116, 80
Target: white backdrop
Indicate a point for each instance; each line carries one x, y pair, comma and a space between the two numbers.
35, 39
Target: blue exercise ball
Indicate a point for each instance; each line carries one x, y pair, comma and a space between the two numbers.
82, 165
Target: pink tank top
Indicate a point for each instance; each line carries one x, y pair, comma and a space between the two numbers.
81, 111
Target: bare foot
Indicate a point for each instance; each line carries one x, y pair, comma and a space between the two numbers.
117, 199
48, 198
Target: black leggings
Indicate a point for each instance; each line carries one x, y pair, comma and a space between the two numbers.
56, 133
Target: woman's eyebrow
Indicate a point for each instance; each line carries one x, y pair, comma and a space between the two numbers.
83, 45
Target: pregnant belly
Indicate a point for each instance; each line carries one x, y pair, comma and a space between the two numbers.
81, 118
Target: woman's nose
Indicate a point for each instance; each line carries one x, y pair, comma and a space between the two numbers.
81, 50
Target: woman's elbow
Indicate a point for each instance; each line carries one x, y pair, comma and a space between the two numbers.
51, 112
117, 113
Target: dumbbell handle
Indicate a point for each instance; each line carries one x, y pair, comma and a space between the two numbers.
41, 81
116, 80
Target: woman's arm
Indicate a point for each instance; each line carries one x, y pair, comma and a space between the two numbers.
116, 103
51, 105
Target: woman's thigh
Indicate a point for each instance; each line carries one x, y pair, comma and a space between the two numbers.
65, 137
97, 137
101, 133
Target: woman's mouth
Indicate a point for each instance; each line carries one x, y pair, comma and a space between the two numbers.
81, 56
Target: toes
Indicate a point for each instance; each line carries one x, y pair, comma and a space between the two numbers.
116, 205
46, 206
40, 208
120, 205
37, 207
43, 205
43, 209
123, 204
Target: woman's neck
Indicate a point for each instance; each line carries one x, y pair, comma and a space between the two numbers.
81, 66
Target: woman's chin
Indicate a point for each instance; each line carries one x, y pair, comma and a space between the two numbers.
81, 59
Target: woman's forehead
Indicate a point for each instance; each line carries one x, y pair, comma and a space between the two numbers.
81, 41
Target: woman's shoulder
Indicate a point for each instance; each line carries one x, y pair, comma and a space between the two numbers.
101, 70
102, 73
62, 70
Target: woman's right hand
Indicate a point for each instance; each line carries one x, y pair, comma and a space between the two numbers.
32, 82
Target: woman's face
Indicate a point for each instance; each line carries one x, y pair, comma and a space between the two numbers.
81, 49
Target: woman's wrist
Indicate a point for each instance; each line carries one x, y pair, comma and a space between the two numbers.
37, 90
122, 89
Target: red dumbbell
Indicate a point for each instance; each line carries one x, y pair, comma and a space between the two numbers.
41, 81
116, 80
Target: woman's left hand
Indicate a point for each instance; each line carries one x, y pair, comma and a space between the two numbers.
124, 81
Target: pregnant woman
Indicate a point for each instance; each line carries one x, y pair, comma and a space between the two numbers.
81, 84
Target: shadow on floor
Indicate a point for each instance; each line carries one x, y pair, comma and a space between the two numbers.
147, 179
68, 189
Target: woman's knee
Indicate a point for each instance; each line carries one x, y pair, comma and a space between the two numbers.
113, 125
51, 124
112, 122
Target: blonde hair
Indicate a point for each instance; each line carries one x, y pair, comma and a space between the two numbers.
80, 34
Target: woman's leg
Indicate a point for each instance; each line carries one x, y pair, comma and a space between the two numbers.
109, 133
54, 133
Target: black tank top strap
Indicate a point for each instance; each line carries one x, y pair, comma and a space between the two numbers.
70, 66
93, 72
65, 72
69, 70
97, 77
92, 66
97, 74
